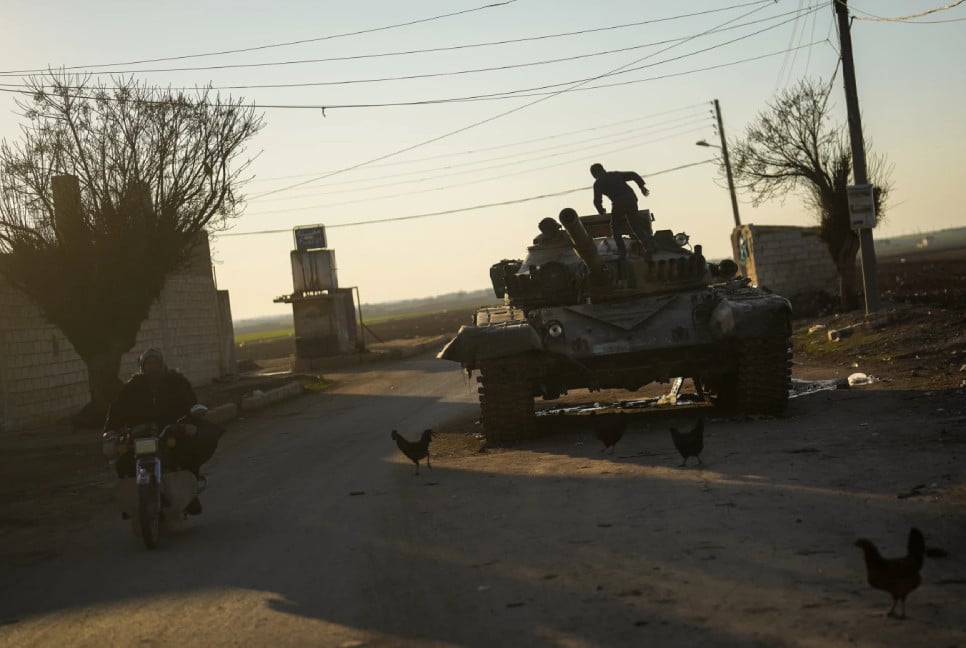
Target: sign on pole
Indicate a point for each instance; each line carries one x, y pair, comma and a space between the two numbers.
309, 237
861, 206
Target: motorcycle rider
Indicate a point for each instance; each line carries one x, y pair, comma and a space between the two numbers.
154, 394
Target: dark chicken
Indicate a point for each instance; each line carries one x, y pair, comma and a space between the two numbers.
609, 429
691, 443
415, 450
898, 576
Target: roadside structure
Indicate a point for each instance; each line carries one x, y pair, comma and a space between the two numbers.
323, 313
43, 380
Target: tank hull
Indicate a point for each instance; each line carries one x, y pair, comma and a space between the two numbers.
656, 318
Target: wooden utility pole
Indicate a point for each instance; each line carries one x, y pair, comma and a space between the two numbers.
870, 281
727, 164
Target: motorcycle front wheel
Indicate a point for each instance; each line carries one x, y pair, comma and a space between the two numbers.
149, 513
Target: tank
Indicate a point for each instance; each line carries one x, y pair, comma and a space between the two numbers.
575, 315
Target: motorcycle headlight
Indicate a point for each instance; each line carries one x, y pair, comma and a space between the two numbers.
555, 329
146, 446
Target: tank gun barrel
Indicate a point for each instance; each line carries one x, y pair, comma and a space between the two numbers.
584, 246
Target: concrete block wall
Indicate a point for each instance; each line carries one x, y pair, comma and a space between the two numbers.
43, 380
791, 261
41, 376
189, 316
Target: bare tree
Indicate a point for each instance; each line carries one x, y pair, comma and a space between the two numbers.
104, 196
793, 146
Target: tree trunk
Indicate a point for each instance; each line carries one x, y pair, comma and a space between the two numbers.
102, 377
848, 286
848, 277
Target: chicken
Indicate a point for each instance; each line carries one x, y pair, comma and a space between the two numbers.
898, 576
609, 429
415, 450
691, 443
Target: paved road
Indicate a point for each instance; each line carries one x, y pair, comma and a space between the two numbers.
552, 544
283, 554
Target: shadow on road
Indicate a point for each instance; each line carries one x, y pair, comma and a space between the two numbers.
552, 542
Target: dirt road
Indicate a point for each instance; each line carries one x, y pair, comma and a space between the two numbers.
316, 532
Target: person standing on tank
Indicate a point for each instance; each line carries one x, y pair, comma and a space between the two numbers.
623, 205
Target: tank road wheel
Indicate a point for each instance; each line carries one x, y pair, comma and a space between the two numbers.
763, 377
506, 400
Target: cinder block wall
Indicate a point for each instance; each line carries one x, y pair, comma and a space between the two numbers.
791, 261
43, 380
40, 373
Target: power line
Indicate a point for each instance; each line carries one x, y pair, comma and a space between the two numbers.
277, 45
502, 146
811, 37
453, 211
627, 144
398, 53
432, 75
791, 41
909, 19
510, 94
317, 207
524, 93
496, 96
480, 122
540, 155
801, 40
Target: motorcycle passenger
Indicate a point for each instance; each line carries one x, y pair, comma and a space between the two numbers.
158, 395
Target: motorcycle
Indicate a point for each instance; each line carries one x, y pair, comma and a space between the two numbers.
160, 490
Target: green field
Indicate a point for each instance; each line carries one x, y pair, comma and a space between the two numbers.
276, 333
264, 336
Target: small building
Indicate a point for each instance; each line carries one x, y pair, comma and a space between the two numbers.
323, 314
791, 261
44, 381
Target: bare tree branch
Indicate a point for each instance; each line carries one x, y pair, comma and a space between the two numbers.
790, 148
154, 169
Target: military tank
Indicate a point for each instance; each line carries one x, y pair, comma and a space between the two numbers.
576, 315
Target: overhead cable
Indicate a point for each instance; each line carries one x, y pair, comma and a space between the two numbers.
513, 144
527, 155
515, 174
625, 144
799, 13
387, 54
451, 211
486, 120
277, 45
911, 17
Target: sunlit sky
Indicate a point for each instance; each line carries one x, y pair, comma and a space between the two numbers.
911, 82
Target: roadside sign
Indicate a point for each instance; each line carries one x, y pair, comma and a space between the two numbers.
861, 206
309, 237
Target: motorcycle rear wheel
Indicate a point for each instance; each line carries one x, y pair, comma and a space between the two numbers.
149, 513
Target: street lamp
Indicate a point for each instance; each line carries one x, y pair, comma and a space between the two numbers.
727, 162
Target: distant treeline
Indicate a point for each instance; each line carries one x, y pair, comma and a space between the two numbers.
948, 239
461, 299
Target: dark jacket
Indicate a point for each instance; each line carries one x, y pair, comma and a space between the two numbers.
613, 184
139, 403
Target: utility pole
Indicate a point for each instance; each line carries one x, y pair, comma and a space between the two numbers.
870, 281
727, 164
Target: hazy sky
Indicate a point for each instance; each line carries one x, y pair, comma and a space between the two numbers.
911, 82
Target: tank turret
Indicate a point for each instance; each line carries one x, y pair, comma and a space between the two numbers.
585, 247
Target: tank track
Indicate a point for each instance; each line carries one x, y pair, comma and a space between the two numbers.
764, 375
506, 399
